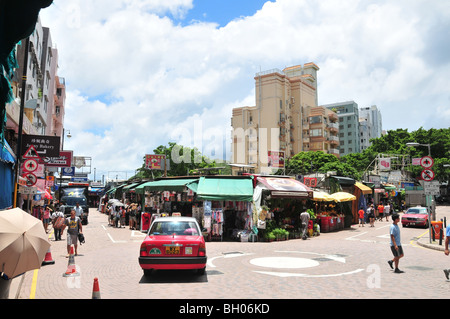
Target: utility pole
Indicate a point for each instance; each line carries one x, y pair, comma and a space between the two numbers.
22, 106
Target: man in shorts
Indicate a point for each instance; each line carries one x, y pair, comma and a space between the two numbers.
74, 227
396, 246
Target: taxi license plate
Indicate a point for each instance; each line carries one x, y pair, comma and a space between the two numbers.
173, 250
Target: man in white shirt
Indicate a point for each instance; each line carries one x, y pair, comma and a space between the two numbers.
78, 210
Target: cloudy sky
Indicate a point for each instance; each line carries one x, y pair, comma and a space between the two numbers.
143, 73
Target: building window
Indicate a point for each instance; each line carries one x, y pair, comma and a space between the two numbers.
315, 119
315, 132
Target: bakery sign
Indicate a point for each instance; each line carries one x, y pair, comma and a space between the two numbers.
45, 145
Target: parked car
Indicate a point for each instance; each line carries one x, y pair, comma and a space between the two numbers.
173, 243
415, 216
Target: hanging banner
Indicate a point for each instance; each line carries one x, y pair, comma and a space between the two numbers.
384, 164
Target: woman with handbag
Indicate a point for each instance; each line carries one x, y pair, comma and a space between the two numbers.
58, 223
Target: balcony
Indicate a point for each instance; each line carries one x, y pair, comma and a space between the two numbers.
334, 127
333, 139
333, 117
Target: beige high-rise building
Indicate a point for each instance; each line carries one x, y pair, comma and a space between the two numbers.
286, 119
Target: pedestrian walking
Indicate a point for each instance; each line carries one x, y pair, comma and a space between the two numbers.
371, 213
361, 217
304, 217
380, 209
78, 210
45, 217
386, 210
396, 246
122, 217
74, 228
58, 223
446, 251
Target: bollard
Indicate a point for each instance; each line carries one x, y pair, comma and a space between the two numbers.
441, 233
433, 236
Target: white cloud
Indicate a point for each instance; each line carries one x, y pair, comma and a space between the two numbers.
134, 77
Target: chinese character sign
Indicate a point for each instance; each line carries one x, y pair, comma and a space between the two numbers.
155, 161
276, 159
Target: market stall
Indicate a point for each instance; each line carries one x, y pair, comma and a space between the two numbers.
227, 210
164, 196
279, 200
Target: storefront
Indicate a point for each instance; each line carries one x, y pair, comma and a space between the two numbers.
226, 209
166, 196
363, 196
7, 162
279, 202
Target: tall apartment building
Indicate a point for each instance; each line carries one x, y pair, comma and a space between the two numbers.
370, 122
286, 119
44, 90
349, 132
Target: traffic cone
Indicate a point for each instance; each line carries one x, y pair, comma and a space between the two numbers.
48, 258
96, 290
71, 267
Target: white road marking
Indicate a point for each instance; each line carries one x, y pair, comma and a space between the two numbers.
286, 274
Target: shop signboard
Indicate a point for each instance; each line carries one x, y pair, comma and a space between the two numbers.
155, 162
45, 145
63, 160
276, 159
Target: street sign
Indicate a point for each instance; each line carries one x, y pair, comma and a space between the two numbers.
427, 175
31, 153
68, 171
45, 145
426, 162
31, 179
431, 188
30, 165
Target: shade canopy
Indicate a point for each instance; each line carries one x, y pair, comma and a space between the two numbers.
342, 197
224, 188
173, 185
320, 196
23, 242
364, 189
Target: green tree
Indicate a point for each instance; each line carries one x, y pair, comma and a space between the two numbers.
183, 161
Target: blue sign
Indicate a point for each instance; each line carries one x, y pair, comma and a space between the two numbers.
68, 171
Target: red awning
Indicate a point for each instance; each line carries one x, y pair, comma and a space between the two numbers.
286, 187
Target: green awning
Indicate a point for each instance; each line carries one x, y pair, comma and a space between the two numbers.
223, 188
131, 186
174, 185
111, 190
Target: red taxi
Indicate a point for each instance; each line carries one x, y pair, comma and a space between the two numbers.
173, 243
415, 216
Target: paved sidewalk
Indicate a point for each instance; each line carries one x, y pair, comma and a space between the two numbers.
442, 214
59, 250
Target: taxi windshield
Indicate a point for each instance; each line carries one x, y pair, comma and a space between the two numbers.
186, 228
417, 211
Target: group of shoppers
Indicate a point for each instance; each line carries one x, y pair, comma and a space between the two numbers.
121, 215
372, 214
